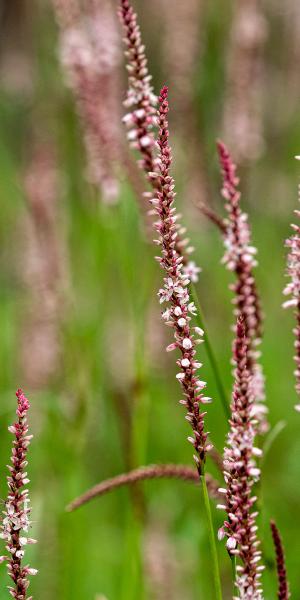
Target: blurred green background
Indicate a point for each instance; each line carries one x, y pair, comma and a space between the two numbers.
111, 403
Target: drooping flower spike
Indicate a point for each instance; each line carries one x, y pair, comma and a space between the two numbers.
175, 292
180, 472
240, 258
16, 524
141, 120
292, 289
283, 586
240, 474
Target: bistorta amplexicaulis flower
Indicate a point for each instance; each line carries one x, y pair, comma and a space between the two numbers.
292, 289
141, 100
175, 292
141, 119
240, 474
16, 524
240, 258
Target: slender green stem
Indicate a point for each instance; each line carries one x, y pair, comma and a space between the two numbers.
270, 439
210, 354
212, 539
131, 582
233, 567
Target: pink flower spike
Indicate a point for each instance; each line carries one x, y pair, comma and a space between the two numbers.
16, 523
239, 257
176, 291
292, 289
141, 102
240, 475
140, 97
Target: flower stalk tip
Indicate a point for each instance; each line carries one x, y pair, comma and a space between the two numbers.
283, 587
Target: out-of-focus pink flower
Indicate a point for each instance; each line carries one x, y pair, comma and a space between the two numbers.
43, 269
181, 58
66, 12
243, 108
161, 565
90, 54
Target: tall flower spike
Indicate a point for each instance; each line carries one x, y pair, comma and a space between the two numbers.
283, 587
175, 292
141, 120
292, 289
240, 258
240, 474
16, 523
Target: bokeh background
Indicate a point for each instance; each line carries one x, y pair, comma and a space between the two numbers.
80, 324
